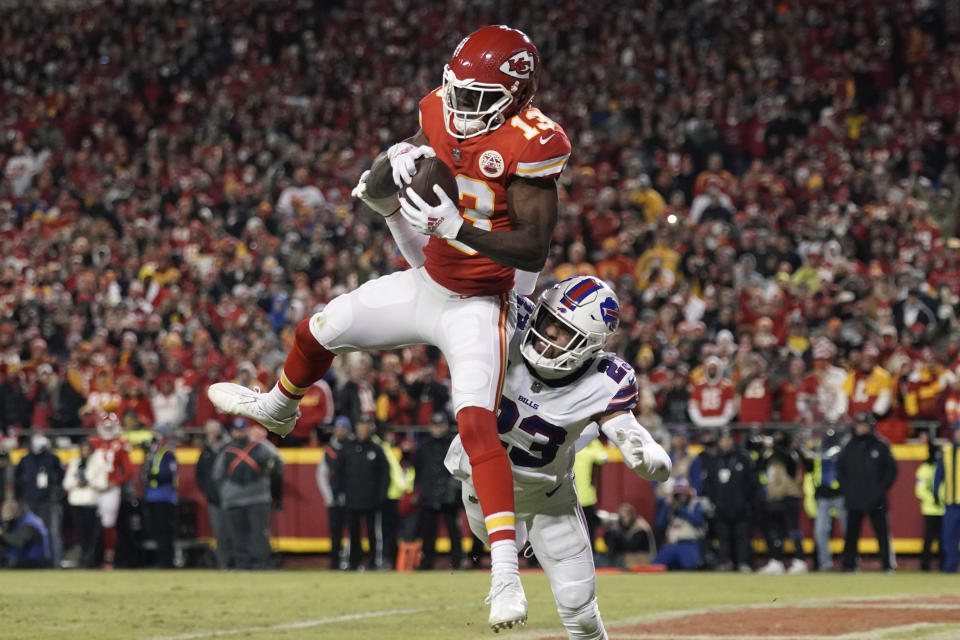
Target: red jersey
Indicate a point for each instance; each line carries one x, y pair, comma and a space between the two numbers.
116, 455
316, 409
712, 397
756, 403
528, 145
789, 393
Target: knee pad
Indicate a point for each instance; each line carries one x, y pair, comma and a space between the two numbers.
583, 623
478, 432
325, 327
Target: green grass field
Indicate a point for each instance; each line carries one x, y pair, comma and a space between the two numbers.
293, 604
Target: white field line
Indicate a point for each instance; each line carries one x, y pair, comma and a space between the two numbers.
862, 601
874, 634
306, 624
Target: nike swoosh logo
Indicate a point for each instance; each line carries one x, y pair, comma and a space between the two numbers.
554, 490
547, 139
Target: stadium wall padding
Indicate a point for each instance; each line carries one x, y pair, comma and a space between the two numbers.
302, 527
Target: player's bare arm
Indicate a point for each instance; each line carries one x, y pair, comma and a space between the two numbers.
532, 205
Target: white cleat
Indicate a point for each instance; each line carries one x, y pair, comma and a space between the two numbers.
772, 568
797, 567
508, 604
237, 400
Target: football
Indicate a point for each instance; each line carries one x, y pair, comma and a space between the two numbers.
431, 171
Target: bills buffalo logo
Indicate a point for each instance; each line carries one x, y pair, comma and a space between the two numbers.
610, 311
491, 164
519, 65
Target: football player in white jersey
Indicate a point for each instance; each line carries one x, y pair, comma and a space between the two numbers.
559, 382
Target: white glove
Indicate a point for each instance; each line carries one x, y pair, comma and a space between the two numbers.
403, 157
442, 220
631, 447
384, 206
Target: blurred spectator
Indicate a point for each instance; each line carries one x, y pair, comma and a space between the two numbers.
823, 499
823, 398
38, 479
683, 519
214, 442
947, 477
712, 403
592, 455
438, 493
677, 398
83, 481
23, 538
167, 402
316, 411
782, 468
729, 485
356, 396
361, 475
159, 478
866, 470
300, 197
755, 397
627, 533
931, 505
243, 471
336, 516
869, 387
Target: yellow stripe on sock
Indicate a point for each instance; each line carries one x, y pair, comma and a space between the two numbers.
292, 388
500, 522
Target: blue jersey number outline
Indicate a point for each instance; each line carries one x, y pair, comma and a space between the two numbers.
507, 420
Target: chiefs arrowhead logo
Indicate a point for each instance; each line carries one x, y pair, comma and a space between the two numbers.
519, 65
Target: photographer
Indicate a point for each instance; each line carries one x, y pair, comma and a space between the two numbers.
23, 538
84, 480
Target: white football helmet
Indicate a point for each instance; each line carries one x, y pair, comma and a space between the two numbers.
584, 306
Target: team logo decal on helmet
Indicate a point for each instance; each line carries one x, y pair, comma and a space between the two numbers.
520, 65
583, 308
491, 164
610, 312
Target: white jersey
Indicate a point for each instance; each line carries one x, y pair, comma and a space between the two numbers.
540, 421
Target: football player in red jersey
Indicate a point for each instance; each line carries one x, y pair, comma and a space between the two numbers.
114, 455
506, 156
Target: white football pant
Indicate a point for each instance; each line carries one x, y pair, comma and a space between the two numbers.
408, 307
108, 506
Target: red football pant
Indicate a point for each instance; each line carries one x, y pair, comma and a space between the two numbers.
492, 478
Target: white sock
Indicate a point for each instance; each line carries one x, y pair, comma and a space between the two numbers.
278, 404
503, 557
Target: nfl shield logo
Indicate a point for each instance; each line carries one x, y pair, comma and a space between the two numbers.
456, 155
536, 387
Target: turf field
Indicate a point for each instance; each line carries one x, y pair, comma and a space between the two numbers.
187, 605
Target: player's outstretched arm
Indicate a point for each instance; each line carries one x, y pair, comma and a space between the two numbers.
640, 451
532, 205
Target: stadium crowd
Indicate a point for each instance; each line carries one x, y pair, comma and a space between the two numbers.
773, 190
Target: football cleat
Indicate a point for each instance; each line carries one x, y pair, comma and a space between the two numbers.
797, 567
772, 568
508, 604
237, 400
